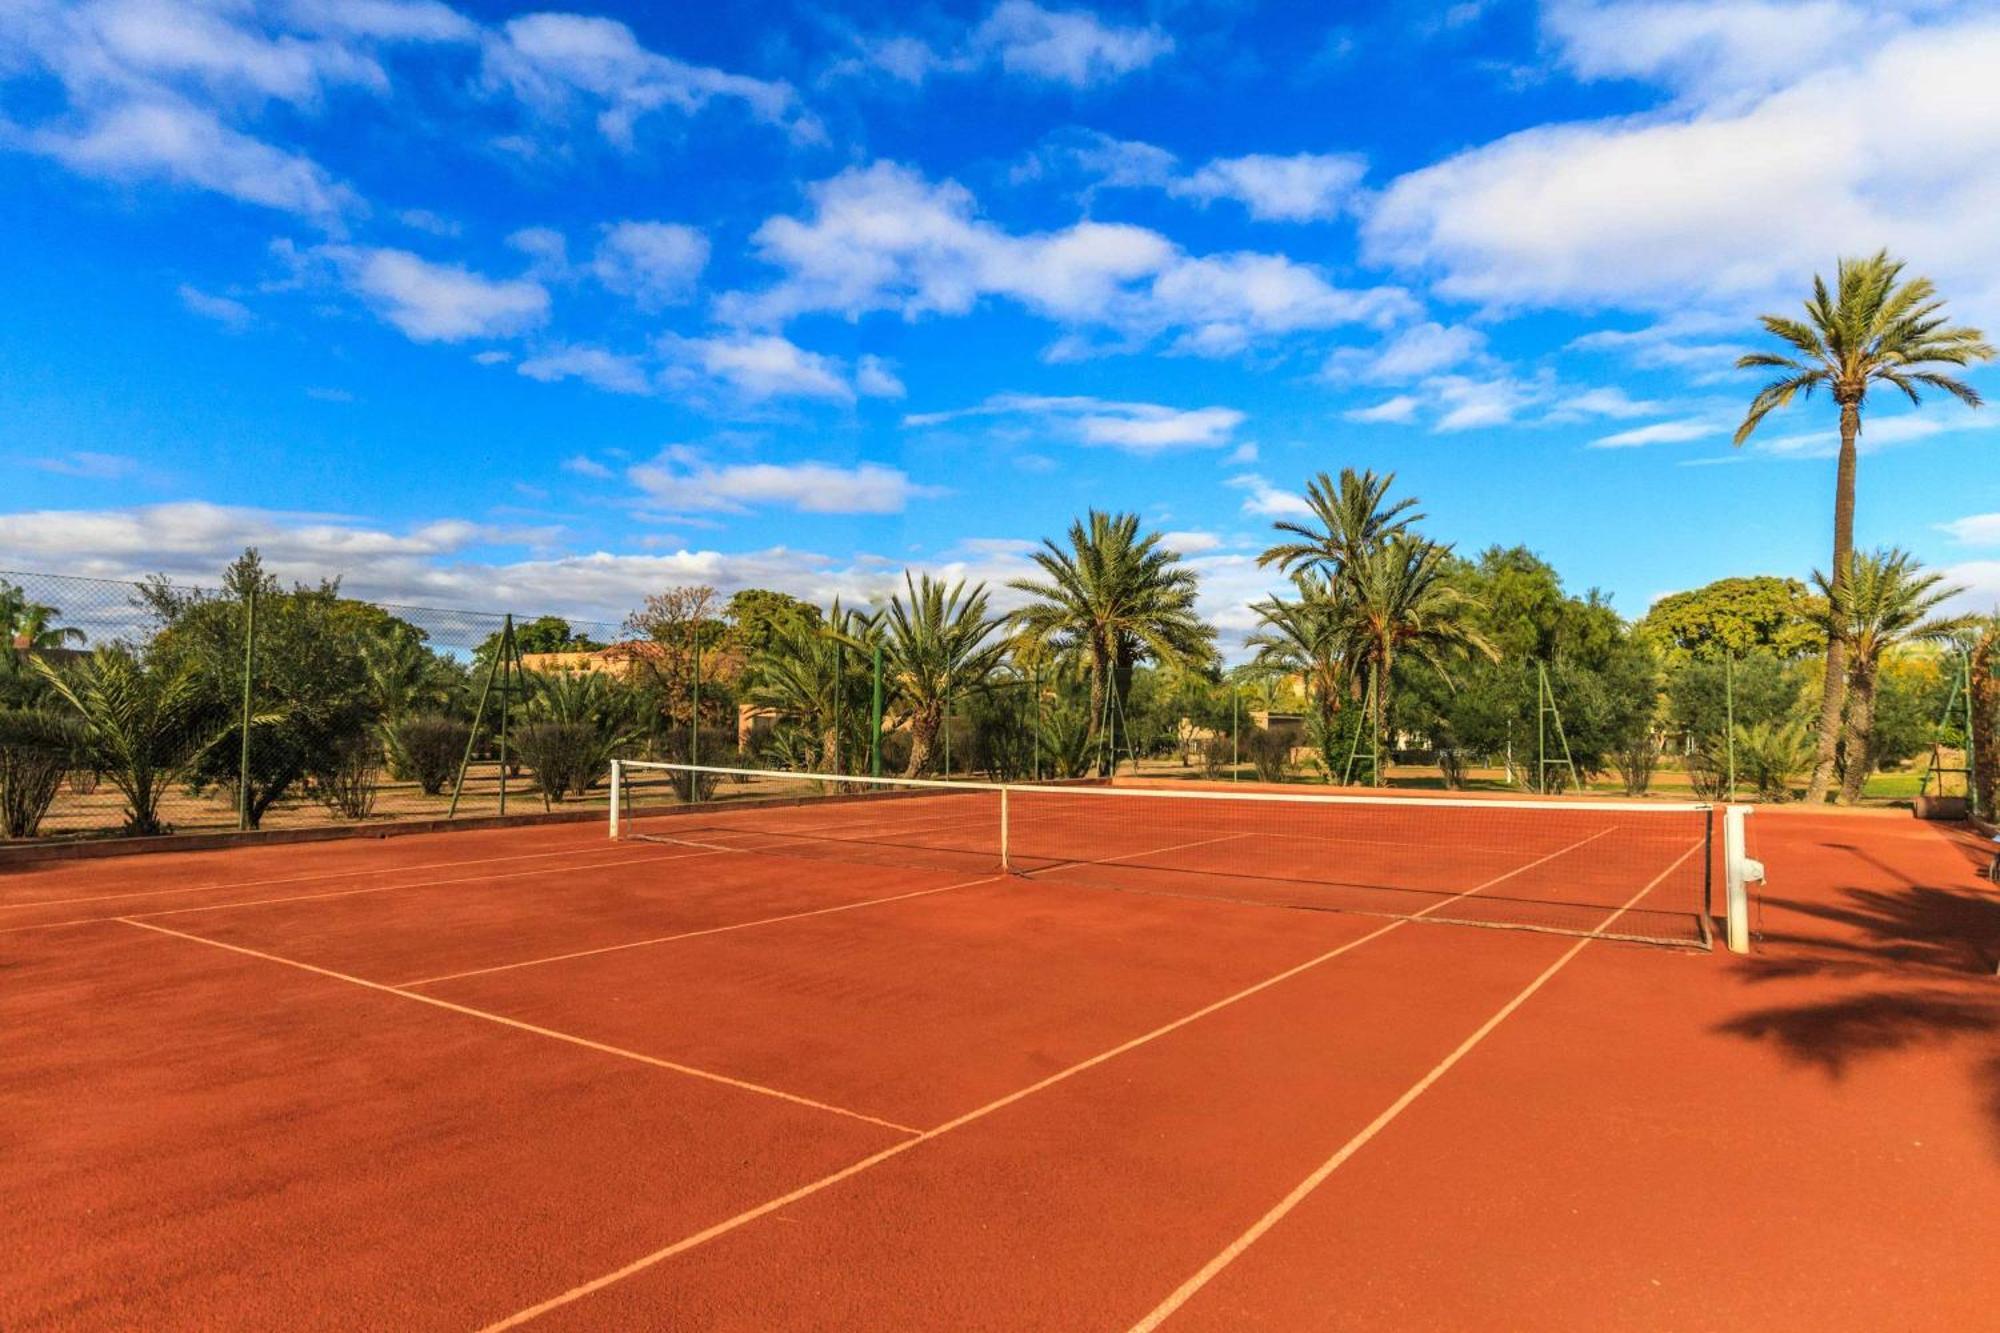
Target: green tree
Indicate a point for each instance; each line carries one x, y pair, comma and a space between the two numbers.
817, 684
1873, 328
145, 724
1114, 598
1885, 599
682, 639
1405, 606
1350, 518
308, 674
1734, 617
1311, 636
940, 645
31, 627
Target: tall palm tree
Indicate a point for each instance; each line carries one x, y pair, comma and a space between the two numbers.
1115, 598
1874, 327
1311, 637
939, 644
144, 725
1349, 518
1885, 600
1404, 604
805, 674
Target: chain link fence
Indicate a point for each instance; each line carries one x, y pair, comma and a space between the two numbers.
170, 707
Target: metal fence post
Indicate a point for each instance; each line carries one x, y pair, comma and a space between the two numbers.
243, 753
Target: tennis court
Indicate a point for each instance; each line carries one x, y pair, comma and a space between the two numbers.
870, 1056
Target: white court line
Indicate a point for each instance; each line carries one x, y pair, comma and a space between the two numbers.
729, 1224
517, 1024
355, 893
583, 850
1234, 1250
695, 934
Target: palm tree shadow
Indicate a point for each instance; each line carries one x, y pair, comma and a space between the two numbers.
1910, 953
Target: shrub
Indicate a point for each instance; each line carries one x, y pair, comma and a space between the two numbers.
1452, 763
1270, 752
36, 749
673, 749
567, 758
348, 782
1635, 761
1708, 770
1216, 753
1771, 755
427, 750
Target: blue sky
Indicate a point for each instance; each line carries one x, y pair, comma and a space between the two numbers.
529, 309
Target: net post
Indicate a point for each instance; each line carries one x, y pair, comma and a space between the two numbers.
617, 794
1741, 872
1005, 821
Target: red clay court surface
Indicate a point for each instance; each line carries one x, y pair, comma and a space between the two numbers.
531, 1076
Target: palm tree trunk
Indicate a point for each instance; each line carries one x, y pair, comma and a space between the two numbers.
1382, 714
1834, 698
924, 725
1860, 733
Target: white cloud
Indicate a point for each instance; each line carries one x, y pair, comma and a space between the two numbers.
654, 263
440, 302
1471, 402
395, 20
1420, 350
1264, 498
149, 88
585, 466
593, 365
88, 465
1878, 432
1138, 428
190, 146
761, 366
432, 224
423, 565
884, 238
1711, 47
1190, 542
1660, 432
1305, 187
1730, 201
1974, 529
1245, 452
1604, 401
874, 379
231, 314
553, 61
680, 480
1071, 46
1981, 581
1400, 410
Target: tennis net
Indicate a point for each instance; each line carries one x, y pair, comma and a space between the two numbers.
1617, 869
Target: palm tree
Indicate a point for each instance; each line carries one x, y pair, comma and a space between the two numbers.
144, 726
1404, 604
940, 643
1350, 518
1311, 637
1116, 599
27, 626
806, 675
1885, 600
1873, 327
